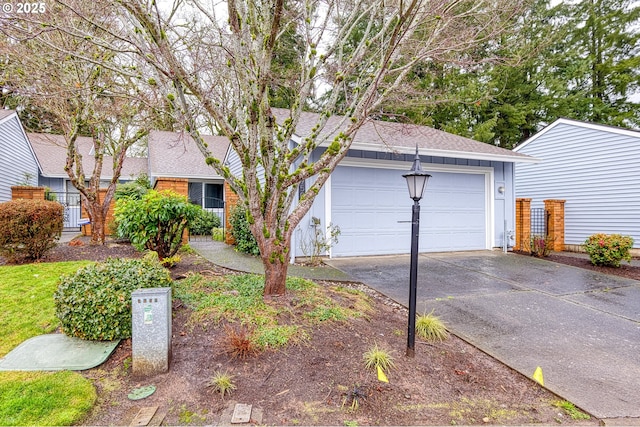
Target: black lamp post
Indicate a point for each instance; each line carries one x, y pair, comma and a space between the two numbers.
416, 181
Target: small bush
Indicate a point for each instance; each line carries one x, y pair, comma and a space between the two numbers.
245, 242
95, 302
204, 223
608, 249
239, 342
217, 234
29, 228
156, 221
133, 189
541, 246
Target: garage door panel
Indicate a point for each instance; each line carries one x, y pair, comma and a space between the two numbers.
373, 210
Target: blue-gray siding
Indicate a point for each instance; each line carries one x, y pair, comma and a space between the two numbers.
16, 157
595, 169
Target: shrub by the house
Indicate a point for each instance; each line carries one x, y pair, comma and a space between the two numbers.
133, 189
244, 240
95, 302
608, 249
156, 221
29, 228
204, 223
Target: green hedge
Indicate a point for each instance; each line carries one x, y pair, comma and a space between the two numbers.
95, 302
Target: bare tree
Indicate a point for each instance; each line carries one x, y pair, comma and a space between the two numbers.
220, 60
86, 89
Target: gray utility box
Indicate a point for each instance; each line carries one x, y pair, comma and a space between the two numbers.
151, 330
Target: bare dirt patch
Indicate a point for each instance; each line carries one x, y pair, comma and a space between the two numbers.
316, 382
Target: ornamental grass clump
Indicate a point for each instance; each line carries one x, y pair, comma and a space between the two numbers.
431, 328
608, 249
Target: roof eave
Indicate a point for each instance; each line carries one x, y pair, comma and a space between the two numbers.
168, 175
520, 158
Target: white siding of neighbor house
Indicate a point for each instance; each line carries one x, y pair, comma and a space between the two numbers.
16, 157
596, 169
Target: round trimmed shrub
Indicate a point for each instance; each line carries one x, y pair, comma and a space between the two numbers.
608, 249
29, 228
95, 302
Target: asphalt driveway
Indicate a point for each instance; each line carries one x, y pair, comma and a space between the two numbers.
582, 328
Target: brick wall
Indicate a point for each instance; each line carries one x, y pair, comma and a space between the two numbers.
23, 192
179, 185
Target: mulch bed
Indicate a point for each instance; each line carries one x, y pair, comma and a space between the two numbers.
317, 381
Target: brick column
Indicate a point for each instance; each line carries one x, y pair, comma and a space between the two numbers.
230, 202
25, 192
555, 227
523, 225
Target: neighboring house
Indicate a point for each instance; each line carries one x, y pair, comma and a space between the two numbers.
176, 155
595, 168
468, 203
42, 157
51, 153
18, 163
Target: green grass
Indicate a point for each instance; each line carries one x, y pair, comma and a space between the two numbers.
26, 310
44, 399
571, 410
26, 300
239, 298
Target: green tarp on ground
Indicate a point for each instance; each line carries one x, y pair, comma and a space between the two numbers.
56, 352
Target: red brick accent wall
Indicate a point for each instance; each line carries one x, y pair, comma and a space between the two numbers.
24, 192
555, 208
179, 185
523, 225
230, 201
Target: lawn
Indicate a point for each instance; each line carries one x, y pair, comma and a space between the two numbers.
27, 310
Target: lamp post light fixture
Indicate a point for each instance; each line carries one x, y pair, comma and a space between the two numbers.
416, 181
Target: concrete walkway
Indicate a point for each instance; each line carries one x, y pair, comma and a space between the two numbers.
226, 256
582, 328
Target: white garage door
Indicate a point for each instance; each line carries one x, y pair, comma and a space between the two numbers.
373, 210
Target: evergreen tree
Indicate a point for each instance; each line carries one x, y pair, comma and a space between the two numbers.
577, 60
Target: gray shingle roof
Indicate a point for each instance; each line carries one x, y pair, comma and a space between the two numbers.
52, 154
175, 154
391, 137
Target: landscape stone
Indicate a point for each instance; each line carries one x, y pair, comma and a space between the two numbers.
241, 414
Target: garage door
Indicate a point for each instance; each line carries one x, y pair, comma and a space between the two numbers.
373, 210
